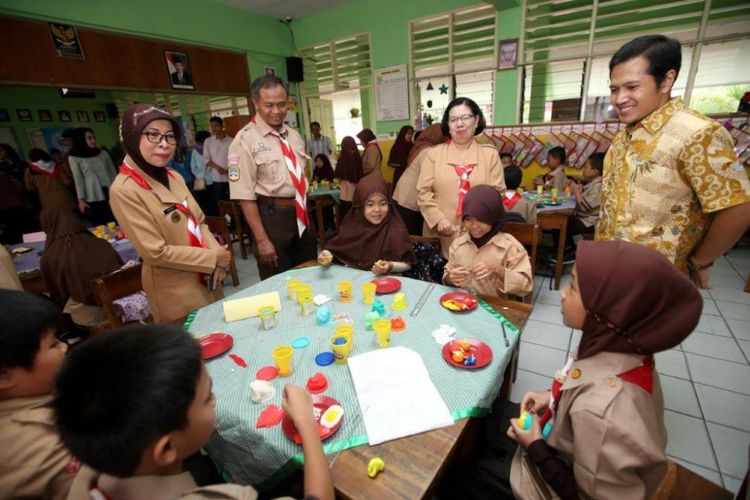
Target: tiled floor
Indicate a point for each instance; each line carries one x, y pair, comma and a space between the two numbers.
706, 380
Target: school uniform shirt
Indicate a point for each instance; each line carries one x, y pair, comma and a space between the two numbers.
514, 202
556, 179
320, 146
91, 175
503, 250
171, 266
371, 159
217, 150
438, 183
34, 463
8, 274
663, 178
405, 193
257, 163
609, 430
53, 187
176, 486
587, 211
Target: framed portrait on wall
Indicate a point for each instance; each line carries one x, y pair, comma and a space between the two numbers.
178, 66
64, 116
83, 116
100, 117
24, 115
45, 115
507, 54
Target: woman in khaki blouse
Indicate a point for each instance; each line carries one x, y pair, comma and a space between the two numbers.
451, 169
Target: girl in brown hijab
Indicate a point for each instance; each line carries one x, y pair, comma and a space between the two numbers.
72, 259
372, 235
399, 155
484, 259
605, 408
372, 157
348, 171
183, 264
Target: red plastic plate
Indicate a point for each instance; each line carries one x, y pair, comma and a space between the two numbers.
386, 285
320, 405
215, 344
479, 349
462, 299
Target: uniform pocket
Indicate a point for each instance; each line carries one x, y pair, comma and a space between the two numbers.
268, 168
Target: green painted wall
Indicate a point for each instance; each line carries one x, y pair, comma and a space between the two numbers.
13, 98
387, 21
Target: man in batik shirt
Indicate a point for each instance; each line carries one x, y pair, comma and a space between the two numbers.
671, 180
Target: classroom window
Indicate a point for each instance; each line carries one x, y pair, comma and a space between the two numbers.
339, 65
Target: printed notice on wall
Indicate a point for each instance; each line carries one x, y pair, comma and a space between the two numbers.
392, 93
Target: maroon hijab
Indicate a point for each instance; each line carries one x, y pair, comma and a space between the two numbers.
349, 163
324, 173
135, 119
636, 300
359, 243
431, 136
486, 204
401, 148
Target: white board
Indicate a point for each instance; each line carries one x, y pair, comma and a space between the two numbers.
392, 93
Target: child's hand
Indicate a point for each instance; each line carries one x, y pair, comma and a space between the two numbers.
381, 267
522, 437
575, 188
445, 227
297, 403
458, 275
481, 270
536, 401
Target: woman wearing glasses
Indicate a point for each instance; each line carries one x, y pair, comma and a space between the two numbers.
183, 264
451, 169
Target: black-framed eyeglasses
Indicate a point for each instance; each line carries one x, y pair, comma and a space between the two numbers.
463, 119
156, 138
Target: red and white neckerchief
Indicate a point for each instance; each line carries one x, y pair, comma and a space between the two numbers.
510, 201
373, 142
463, 172
298, 179
194, 231
39, 169
557, 383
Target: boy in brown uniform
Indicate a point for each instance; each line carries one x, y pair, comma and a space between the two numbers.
33, 461
149, 408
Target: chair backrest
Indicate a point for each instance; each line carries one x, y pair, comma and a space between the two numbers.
218, 225
117, 285
233, 209
528, 235
680, 482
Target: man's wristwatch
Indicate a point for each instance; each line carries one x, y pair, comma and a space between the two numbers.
694, 267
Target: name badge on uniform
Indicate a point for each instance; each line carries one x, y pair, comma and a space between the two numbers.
233, 169
260, 148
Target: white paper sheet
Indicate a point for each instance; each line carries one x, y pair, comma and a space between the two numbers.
396, 396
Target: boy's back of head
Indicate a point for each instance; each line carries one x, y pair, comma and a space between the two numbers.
24, 321
513, 177
597, 162
558, 152
122, 390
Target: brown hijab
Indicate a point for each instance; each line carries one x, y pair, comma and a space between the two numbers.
486, 204
359, 243
401, 149
73, 257
349, 162
365, 136
431, 136
134, 121
636, 300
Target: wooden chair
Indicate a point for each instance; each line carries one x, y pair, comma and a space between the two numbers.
240, 227
680, 482
317, 206
528, 235
218, 225
117, 285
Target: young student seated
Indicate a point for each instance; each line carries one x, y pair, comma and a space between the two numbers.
372, 235
322, 171
588, 197
507, 160
34, 463
513, 201
605, 409
556, 177
484, 259
149, 407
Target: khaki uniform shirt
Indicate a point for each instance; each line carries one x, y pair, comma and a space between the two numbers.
53, 191
8, 275
406, 189
257, 165
524, 208
177, 486
159, 233
437, 187
557, 179
587, 210
664, 176
33, 461
503, 250
371, 159
611, 432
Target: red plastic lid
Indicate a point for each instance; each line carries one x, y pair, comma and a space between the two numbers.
267, 373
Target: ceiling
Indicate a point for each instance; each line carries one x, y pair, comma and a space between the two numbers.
282, 8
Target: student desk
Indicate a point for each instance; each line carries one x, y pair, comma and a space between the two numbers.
321, 198
555, 217
413, 464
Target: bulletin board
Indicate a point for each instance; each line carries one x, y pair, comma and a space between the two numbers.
392, 93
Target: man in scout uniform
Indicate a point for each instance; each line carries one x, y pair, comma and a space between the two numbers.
266, 173
671, 179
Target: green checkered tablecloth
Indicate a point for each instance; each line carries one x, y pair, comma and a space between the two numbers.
333, 193
263, 457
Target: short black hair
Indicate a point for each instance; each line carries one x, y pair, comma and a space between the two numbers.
475, 110
513, 177
267, 82
314, 123
663, 53
120, 391
216, 119
597, 162
68, 133
506, 155
201, 136
24, 319
36, 154
557, 152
